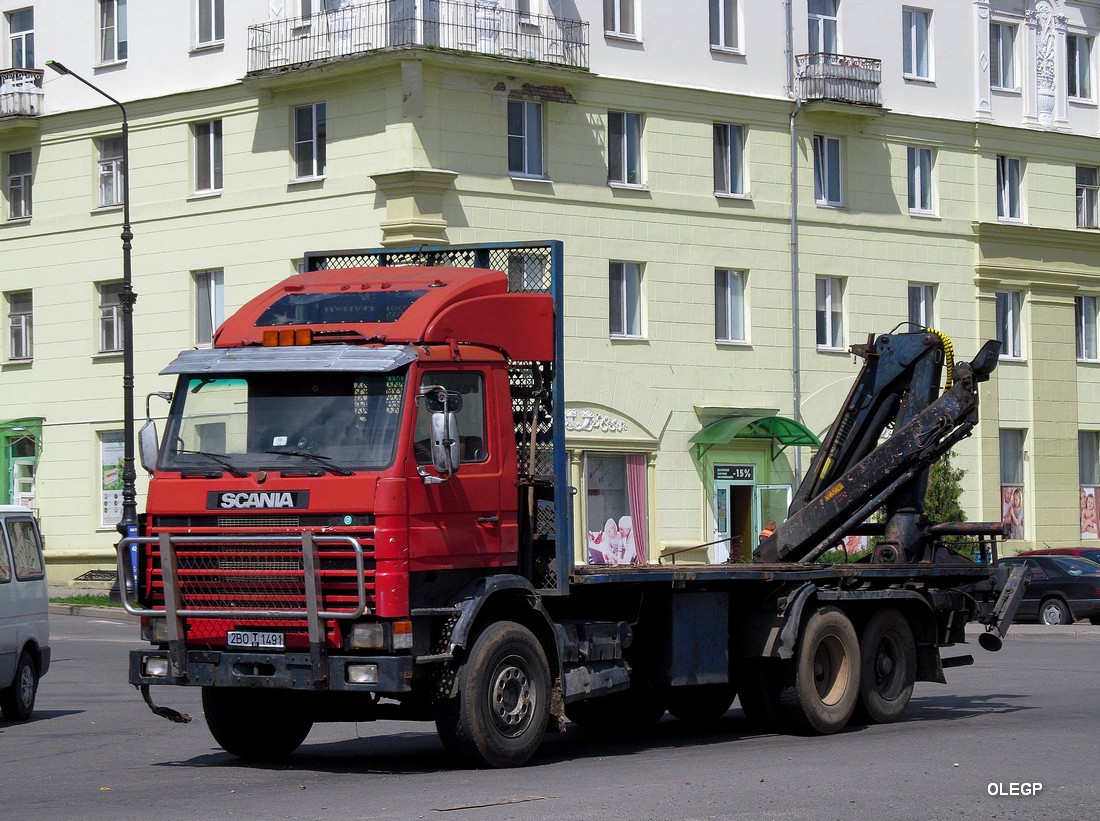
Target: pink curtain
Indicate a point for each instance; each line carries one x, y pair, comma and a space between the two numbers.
635, 484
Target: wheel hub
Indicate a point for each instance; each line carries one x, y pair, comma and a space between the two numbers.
511, 699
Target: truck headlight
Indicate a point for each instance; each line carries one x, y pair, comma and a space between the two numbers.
367, 636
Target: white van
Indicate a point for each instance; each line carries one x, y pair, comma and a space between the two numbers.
24, 605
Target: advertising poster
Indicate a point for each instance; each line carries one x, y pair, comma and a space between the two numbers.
111, 452
1088, 513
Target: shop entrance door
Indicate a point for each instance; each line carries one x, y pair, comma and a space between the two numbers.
769, 504
732, 491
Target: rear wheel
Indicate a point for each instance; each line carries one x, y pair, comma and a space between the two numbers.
260, 725
821, 684
17, 701
700, 703
502, 708
889, 667
1054, 611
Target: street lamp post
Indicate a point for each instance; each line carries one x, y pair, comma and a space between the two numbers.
127, 526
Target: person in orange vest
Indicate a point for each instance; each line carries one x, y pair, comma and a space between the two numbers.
768, 530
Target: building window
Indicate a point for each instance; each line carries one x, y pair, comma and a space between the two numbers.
1002, 56
1085, 324
624, 147
309, 141
830, 313
1009, 310
915, 24
112, 30
21, 34
920, 179
1012, 482
525, 144
625, 309
827, 170
208, 156
1088, 185
209, 305
110, 317
1079, 66
921, 300
1088, 464
822, 19
210, 25
19, 185
1008, 187
616, 521
725, 31
729, 305
619, 18
729, 159
20, 325
528, 273
111, 453
110, 171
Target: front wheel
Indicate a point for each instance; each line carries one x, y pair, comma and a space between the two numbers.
260, 725
889, 667
821, 684
1054, 611
502, 708
17, 701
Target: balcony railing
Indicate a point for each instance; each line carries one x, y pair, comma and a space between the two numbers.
476, 28
20, 92
840, 78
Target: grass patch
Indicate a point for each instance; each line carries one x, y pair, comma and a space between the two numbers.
87, 601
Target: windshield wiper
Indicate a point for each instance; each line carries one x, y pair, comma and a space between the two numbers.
221, 459
316, 458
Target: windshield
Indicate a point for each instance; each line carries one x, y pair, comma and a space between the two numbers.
308, 421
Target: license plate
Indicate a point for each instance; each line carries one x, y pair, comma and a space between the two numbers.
256, 638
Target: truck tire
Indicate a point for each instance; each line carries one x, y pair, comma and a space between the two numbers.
758, 692
701, 703
259, 725
17, 701
1054, 611
821, 684
502, 708
889, 667
627, 713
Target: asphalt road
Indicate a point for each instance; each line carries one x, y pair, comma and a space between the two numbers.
1029, 714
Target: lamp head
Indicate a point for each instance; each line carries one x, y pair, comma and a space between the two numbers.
58, 67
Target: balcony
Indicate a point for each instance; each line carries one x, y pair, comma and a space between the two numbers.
839, 78
20, 92
473, 28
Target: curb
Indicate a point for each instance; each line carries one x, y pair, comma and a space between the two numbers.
59, 609
1083, 631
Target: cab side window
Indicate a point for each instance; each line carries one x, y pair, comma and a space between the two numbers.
471, 417
25, 550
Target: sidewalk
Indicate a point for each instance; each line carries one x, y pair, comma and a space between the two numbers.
1080, 630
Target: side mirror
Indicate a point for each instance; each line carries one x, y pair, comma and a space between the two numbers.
445, 455
148, 445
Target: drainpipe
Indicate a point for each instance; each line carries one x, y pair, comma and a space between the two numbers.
796, 343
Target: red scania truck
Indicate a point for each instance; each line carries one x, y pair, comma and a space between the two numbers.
360, 508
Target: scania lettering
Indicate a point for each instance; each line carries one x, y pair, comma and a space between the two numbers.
361, 508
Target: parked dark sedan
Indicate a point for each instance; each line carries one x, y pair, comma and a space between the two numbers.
1062, 589
1090, 553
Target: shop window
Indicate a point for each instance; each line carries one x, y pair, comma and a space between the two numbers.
616, 521
1012, 482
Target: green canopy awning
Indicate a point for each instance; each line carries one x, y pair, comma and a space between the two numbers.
779, 430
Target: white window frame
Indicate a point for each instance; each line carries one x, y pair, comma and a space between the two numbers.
730, 312
310, 153
21, 41
620, 19
1079, 67
209, 289
1002, 55
110, 317
920, 162
625, 140
1010, 306
822, 27
830, 313
1085, 309
828, 151
725, 25
625, 304
922, 305
113, 31
20, 326
1088, 196
526, 139
209, 23
730, 179
208, 156
111, 160
1010, 187
19, 185
916, 27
